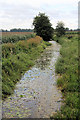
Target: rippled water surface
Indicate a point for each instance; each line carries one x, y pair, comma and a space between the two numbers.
36, 94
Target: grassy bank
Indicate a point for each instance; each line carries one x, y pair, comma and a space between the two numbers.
18, 58
67, 69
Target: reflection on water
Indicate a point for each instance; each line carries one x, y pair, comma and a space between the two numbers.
36, 95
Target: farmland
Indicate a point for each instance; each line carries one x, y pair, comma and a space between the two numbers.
72, 32
4, 34
12, 37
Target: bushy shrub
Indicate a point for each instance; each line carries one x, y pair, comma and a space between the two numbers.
69, 37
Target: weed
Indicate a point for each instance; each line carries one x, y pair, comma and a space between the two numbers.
18, 58
67, 67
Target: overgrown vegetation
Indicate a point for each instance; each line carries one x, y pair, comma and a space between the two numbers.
60, 29
43, 27
12, 37
67, 68
16, 59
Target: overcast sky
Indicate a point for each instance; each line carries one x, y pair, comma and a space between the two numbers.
20, 13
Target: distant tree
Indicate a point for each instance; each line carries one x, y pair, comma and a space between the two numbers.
60, 29
66, 29
4, 30
71, 30
43, 27
21, 30
13, 30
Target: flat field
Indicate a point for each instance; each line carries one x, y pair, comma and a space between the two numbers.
15, 33
12, 37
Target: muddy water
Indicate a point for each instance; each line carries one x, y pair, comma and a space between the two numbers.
36, 95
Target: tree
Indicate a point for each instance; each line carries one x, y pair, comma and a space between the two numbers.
66, 29
42, 26
60, 29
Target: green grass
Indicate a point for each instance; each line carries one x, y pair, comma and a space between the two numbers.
15, 38
67, 68
17, 58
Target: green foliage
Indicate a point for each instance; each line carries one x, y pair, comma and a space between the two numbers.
72, 32
18, 30
67, 68
42, 26
16, 59
16, 38
60, 29
48, 44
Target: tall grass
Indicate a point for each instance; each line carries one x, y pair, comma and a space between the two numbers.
67, 68
18, 58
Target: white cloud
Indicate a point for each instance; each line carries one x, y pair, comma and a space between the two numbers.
20, 13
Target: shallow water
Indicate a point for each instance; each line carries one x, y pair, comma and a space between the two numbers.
36, 94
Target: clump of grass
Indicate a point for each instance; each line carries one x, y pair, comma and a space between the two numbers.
67, 68
18, 58
48, 44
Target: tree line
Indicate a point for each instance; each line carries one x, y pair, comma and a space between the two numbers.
18, 30
43, 27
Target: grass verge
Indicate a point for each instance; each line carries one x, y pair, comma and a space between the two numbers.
67, 68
